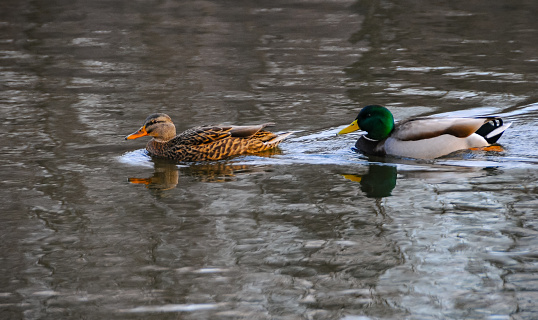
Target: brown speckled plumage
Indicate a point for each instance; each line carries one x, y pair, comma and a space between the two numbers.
205, 142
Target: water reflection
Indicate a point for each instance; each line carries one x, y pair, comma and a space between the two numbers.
166, 174
216, 172
378, 182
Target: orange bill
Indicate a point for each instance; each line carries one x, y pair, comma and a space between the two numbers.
145, 181
140, 133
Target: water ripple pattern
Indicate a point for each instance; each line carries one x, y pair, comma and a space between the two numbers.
94, 228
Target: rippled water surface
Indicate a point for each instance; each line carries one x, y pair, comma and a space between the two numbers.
92, 228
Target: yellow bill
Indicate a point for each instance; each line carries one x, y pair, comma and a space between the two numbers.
354, 126
353, 177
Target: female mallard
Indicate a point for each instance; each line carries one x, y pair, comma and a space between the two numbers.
205, 142
421, 138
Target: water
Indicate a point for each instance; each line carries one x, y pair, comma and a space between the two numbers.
93, 228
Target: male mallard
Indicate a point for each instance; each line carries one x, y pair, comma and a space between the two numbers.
205, 142
421, 138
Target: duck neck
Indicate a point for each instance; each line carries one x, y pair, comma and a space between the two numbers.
367, 137
156, 147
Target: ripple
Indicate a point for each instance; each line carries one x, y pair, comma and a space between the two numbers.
173, 308
136, 158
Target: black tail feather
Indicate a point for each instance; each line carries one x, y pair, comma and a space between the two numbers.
490, 130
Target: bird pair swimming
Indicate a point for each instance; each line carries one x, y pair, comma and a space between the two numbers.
421, 138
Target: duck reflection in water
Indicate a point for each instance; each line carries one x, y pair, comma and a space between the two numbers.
167, 172
378, 182
165, 176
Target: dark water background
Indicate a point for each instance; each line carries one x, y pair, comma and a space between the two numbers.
310, 231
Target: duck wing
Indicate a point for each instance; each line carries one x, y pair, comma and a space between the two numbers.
248, 131
209, 134
425, 128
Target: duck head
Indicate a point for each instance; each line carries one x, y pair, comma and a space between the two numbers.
376, 120
158, 125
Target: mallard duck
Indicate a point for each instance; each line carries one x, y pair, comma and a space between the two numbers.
421, 138
205, 142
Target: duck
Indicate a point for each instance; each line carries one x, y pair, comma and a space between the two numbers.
204, 143
424, 137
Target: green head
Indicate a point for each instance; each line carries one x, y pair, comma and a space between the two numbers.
376, 120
